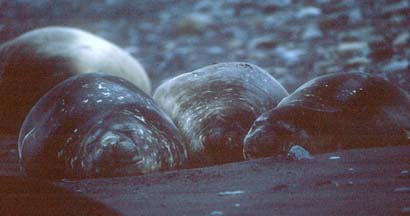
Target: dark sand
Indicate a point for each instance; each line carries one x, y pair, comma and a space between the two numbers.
361, 182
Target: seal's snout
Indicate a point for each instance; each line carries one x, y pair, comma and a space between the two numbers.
121, 147
113, 153
266, 140
216, 135
224, 144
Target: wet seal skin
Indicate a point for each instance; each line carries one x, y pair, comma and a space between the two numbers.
94, 125
333, 112
36, 61
215, 106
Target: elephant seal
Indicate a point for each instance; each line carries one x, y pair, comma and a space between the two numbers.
215, 106
34, 62
94, 125
333, 112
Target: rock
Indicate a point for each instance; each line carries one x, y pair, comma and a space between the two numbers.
396, 65
194, 23
289, 55
204, 6
353, 48
357, 61
355, 15
277, 3
214, 213
308, 12
231, 193
312, 31
267, 42
392, 9
299, 153
402, 39
215, 50
362, 33
402, 189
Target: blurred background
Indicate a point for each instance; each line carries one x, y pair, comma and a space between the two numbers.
293, 40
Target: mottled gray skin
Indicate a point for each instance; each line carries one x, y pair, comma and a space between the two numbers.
94, 125
215, 106
333, 112
36, 61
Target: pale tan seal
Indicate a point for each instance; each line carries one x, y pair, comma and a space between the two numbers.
34, 62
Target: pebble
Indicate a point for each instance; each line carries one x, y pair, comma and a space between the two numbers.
358, 61
278, 3
335, 157
215, 50
312, 31
194, 23
264, 42
355, 15
290, 55
397, 65
230, 193
402, 189
402, 39
299, 153
308, 11
359, 46
393, 8
216, 213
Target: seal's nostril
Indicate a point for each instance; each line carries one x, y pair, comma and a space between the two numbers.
109, 139
215, 135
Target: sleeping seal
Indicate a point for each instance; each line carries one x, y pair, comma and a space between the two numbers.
95, 125
215, 106
34, 62
333, 112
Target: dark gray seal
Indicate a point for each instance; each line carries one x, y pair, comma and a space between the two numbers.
95, 125
215, 106
36, 61
333, 112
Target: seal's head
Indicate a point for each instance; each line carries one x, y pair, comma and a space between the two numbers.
333, 112
270, 135
96, 125
223, 136
115, 147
